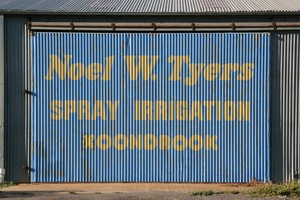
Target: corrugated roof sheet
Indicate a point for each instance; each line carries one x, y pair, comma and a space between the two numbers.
150, 6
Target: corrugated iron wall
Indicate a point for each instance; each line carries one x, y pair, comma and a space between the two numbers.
285, 106
131, 107
1, 98
16, 152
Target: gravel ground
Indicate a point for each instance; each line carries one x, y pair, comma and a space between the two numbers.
147, 195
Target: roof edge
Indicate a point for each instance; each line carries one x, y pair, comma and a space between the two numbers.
149, 14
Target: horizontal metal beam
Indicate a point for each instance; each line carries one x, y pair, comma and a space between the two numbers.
79, 26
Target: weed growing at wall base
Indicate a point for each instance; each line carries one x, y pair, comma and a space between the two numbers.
7, 184
291, 189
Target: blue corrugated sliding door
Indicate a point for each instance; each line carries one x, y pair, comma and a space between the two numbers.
167, 107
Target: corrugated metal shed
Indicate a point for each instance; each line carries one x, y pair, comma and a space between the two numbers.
150, 6
284, 67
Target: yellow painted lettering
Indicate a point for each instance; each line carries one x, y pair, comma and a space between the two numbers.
196, 111
171, 110
113, 108
195, 142
161, 111
93, 71
56, 107
120, 145
137, 110
99, 111
165, 142
195, 71
211, 142
244, 110
107, 144
135, 142
145, 64
58, 66
179, 142
182, 110
227, 69
150, 141
211, 72
178, 63
246, 72
209, 105
147, 110
219, 110
70, 107
108, 68
88, 141
84, 109
229, 110
76, 71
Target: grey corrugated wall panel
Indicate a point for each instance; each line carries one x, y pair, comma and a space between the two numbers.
1, 96
285, 106
16, 153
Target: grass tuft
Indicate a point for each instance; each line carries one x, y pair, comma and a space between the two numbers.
202, 193
208, 193
291, 189
72, 192
7, 184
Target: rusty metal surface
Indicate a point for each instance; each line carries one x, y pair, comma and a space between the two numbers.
186, 27
150, 107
